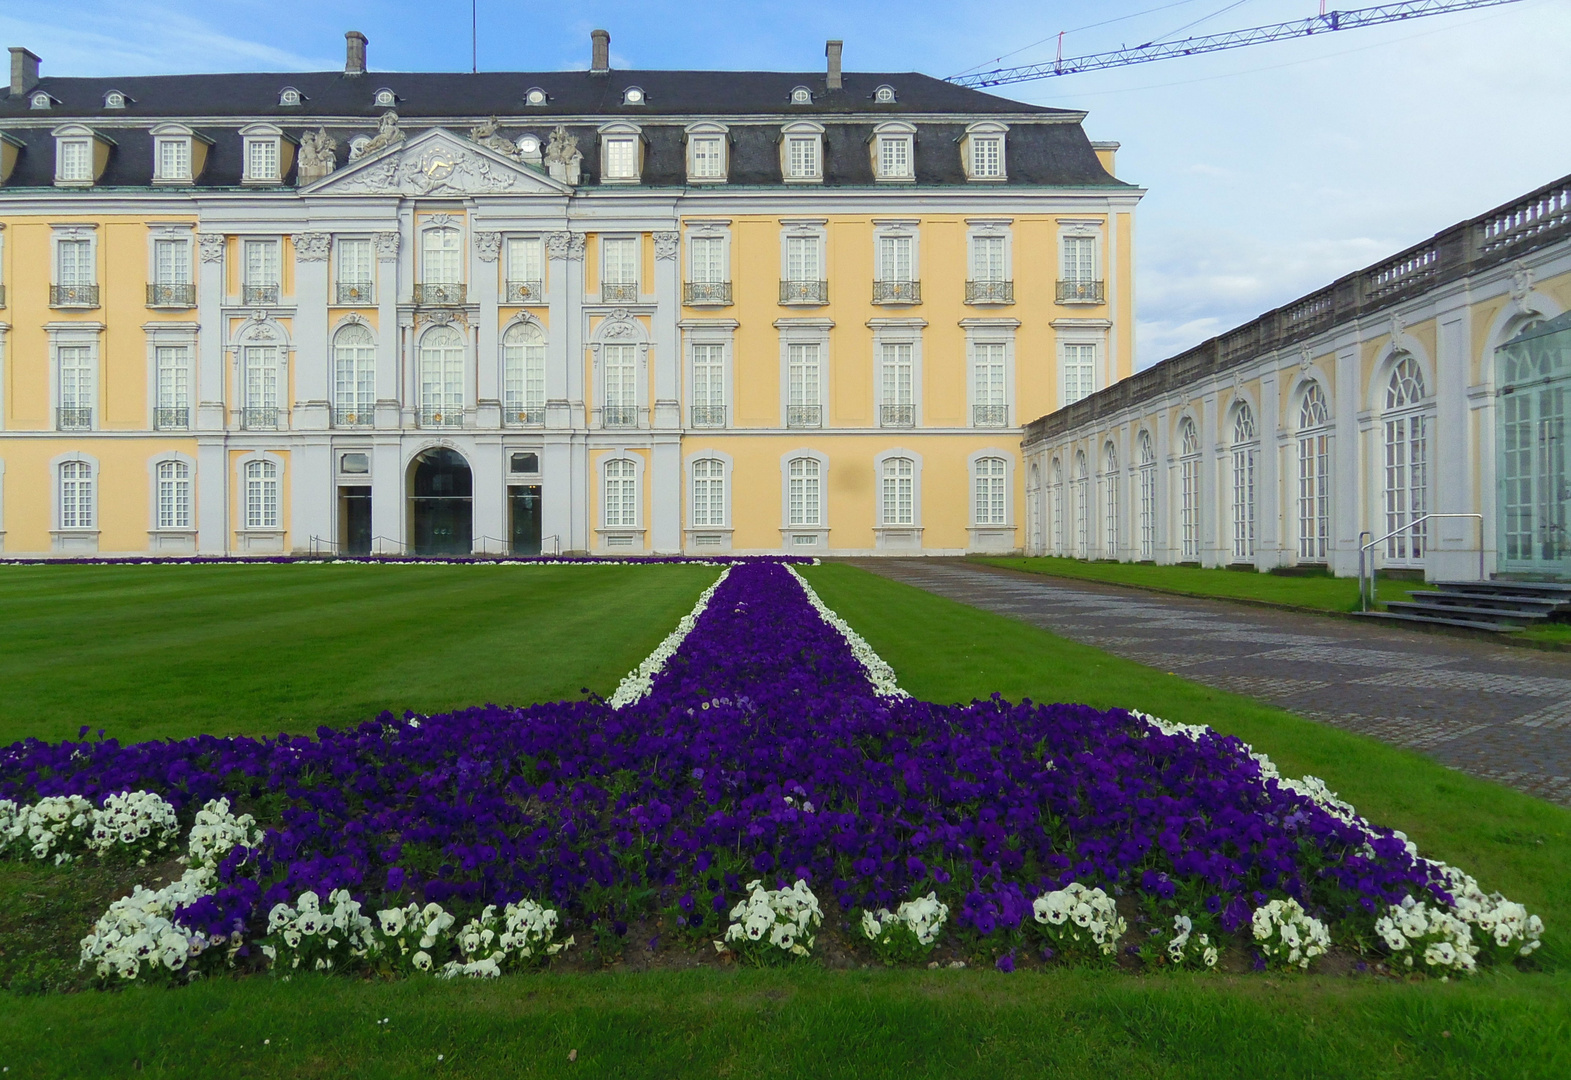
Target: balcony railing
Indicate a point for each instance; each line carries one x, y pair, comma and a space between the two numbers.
804, 292
74, 418
622, 416
356, 292
261, 294
353, 415
525, 292
178, 296
897, 292
171, 417
440, 292
440, 416
529, 415
706, 292
618, 292
897, 416
254, 418
804, 416
73, 296
1081, 292
989, 416
709, 416
990, 292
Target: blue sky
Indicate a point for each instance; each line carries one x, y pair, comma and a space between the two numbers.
1271, 170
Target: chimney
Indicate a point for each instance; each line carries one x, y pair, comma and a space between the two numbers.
600, 52
354, 53
832, 50
24, 71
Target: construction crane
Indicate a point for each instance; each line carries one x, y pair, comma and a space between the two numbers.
1324, 23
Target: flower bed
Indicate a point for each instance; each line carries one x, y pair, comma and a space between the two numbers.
771, 751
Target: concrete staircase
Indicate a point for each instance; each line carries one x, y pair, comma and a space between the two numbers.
1498, 606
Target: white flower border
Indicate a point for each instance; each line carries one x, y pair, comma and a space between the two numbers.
878, 671
637, 682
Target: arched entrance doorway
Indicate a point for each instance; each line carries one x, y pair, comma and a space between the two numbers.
441, 503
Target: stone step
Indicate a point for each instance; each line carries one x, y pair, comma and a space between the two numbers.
1429, 620
1447, 610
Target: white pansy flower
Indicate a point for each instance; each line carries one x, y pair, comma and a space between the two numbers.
1288, 935
783, 917
1079, 919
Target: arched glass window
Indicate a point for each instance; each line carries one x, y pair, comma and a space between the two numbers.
174, 495
523, 374
1055, 502
991, 497
709, 501
1406, 461
354, 376
1110, 501
898, 492
803, 496
1080, 498
621, 493
1189, 488
78, 504
1314, 474
442, 377
441, 252
261, 495
1147, 463
1243, 483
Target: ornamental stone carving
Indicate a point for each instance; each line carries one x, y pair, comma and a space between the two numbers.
667, 244
387, 246
312, 246
438, 169
1521, 285
486, 135
440, 220
388, 133
211, 246
318, 156
563, 160
1304, 359
575, 246
564, 245
1398, 327
488, 245
617, 326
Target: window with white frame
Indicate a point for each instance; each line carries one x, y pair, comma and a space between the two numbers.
354, 376
896, 384
897, 491
894, 156
896, 270
987, 259
1055, 505
74, 159
985, 155
804, 270
172, 159
709, 494
1079, 371
261, 495
619, 364
263, 157
441, 256
1189, 489
171, 285
804, 400
801, 156
619, 258
990, 498
706, 259
78, 496
1406, 462
78, 386
1314, 474
525, 270
1079, 259
1243, 483
1147, 467
76, 271
172, 365
259, 379
706, 156
262, 277
174, 495
620, 506
1081, 497
354, 270
523, 374
1110, 494
442, 353
709, 397
619, 158
989, 384
804, 503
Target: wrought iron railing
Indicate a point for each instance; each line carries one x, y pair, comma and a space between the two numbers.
618, 292
804, 292
440, 292
706, 292
529, 415
709, 416
440, 416
171, 417
525, 292
990, 292
897, 416
1081, 292
166, 295
356, 292
621, 416
989, 416
804, 415
263, 418
73, 296
74, 418
261, 294
353, 415
897, 292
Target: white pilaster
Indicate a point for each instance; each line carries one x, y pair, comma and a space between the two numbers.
211, 412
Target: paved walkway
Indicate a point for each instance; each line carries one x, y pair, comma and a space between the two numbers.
1491, 710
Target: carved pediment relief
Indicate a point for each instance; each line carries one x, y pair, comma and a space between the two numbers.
436, 163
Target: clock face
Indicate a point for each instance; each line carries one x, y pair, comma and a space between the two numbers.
438, 168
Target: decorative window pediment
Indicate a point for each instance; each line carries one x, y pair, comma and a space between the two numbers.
80, 155
802, 153
621, 154
982, 151
893, 147
708, 153
268, 154
179, 154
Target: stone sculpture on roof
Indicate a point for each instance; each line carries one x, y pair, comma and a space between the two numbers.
486, 136
563, 159
317, 156
388, 134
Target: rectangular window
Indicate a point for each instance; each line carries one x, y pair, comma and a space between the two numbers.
76, 161
894, 258
894, 157
1080, 259
708, 157
172, 262
261, 380
987, 157
621, 159
803, 398
1314, 491
441, 251
75, 259
802, 157
174, 386
261, 495
354, 261
621, 494
1110, 518
78, 388
1407, 469
991, 497
1079, 372
524, 377
898, 492
621, 261
802, 494
261, 159
76, 495
709, 492
897, 403
802, 262
709, 386
174, 495
621, 385
524, 262
1147, 511
706, 260
1189, 483
261, 263
174, 159
987, 258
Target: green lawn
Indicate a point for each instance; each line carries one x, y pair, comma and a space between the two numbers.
909, 1023
166, 651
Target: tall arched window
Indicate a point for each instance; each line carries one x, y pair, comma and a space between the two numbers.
442, 377
709, 492
621, 493
1110, 501
261, 495
1314, 474
897, 503
441, 253
1055, 501
1407, 461
1147, 465
803, 496
1243, 483
1081, 497
991, 497
1189, 488
523, 374
78, 502
174, 495
354, 376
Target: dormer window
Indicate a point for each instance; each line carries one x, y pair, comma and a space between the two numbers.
385, 98
172, 160
982, 151
264, 155
114, 99
41, 100
80, 154
633, 95
884, 95
535, 96
706, 154
621, 154
801, 95
894, 152
801, 153
290, 97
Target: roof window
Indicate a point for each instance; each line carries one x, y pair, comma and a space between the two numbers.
385, 98
114, 99
290, 97
633, 95
801, 95
535, 96
884, 95
41, 100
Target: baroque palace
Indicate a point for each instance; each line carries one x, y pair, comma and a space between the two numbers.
588, 311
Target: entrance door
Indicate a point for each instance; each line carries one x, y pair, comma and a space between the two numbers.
523, 512
1533, 453
354, 520
441, 503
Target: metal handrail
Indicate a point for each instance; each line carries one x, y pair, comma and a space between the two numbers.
1366, 597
